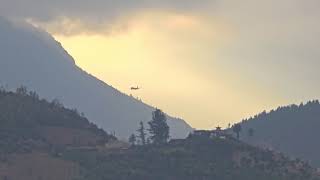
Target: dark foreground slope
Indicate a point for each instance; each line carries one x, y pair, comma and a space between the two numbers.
41, 140
191, 159
34, 132
293, 130
28, 122
34, 59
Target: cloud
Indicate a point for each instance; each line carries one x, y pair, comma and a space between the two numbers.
281, 36
275, 34
90, 14
275, 44
269, 44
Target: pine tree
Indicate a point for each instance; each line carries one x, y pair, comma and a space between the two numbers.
132, 140
159, 129
237, 129
22, 90
142, 134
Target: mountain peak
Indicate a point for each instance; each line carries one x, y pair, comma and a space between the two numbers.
31, 57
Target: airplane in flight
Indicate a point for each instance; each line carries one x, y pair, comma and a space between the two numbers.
135, 88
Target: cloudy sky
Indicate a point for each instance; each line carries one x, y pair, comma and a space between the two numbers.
210, 62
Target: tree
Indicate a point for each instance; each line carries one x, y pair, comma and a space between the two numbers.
22, 90
142, 134
132, 140
251, 132
237, 129
159, 129
34, 95
2, 89
56, 103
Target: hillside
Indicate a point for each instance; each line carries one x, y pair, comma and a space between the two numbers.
44, 140
34, 133
293, 130
191, 159
31, 57
28, 122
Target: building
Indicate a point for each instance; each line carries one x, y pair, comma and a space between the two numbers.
218, 133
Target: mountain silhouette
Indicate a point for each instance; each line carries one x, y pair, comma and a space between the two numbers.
42, 140
293, 130
31, 57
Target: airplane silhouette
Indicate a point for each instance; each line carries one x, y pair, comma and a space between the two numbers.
135, 88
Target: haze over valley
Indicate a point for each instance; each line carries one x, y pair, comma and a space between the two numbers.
161, 90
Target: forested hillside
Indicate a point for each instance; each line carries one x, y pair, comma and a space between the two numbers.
293, 130
41, 140
28, 122
191, 159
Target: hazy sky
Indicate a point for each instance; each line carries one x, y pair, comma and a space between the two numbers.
210, 62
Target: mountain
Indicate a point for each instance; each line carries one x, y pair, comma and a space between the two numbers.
28, 122
31, 57
44, 140
293, 130
34, 132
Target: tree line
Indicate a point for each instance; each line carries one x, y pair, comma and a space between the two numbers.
158, 131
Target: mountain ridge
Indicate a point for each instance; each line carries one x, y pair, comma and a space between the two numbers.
44, 140
292, 129
40, 63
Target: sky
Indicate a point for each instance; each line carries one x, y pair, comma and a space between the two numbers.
210, 62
